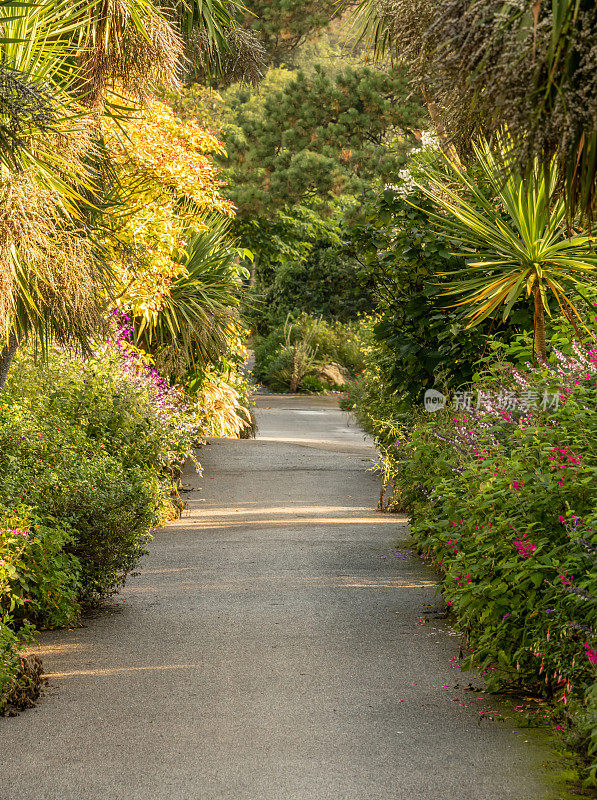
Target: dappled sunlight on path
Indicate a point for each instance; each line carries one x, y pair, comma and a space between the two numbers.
270, 648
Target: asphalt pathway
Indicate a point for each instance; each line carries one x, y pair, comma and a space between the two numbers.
269, 650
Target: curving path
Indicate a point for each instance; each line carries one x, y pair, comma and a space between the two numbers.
268, 651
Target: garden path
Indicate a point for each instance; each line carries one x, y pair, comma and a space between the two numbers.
269, 650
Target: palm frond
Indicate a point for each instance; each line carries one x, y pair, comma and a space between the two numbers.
514, 240
130, 43
200, 313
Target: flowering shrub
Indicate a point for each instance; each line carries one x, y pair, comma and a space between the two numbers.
502, 500
38, 584
39, 579
99, 446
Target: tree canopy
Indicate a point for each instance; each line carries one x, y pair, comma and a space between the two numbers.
531, 66
284, 25
322, 136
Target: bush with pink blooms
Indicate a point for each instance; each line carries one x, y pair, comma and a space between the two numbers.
98, 445
39, 584
501, 487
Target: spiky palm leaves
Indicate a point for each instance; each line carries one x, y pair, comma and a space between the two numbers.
243, 60
59, 58
218, 49
50, 279
514, 237
25, 105
56, 58
199, 315
128, 43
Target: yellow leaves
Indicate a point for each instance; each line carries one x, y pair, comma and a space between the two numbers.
165, 164
172, 154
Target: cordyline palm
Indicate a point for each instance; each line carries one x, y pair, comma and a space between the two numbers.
49, 276
56, 58
199, 315
515, 240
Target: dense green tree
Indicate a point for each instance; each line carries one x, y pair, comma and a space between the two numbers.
322, 137
284, 238
331, 283
284, 25
418, 340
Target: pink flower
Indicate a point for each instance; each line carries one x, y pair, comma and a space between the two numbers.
517, 485
564, 580
525, 549
591, 653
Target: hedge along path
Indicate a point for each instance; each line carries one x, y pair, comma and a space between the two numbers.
269, 650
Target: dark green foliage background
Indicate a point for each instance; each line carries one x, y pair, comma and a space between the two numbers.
419, 340
284, 25
320, 138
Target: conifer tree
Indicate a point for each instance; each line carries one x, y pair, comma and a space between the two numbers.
323, 137
284, 25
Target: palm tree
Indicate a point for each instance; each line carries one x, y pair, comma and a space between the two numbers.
199, 316
514, 238
57, 59
217, 47
49, 274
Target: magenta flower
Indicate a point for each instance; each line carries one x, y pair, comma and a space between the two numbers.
525, 549
591, 653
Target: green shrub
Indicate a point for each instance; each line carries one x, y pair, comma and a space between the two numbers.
96, 447
73, 484
312, 385
39, 579
331, 342
267, 351
39, 584
110, 510
502, 501
10, 660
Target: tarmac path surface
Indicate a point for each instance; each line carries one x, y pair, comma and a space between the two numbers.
269, 650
